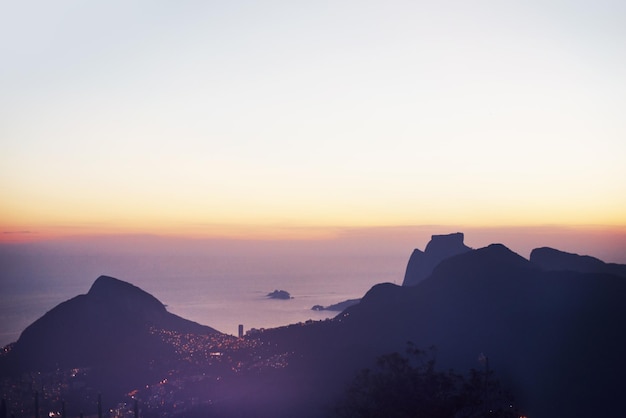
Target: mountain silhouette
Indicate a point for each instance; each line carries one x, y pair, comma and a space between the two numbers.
554, 336
555, 339
110, 325
551, 259
440, 247
539, 329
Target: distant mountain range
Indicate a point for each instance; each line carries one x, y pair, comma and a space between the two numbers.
552, 328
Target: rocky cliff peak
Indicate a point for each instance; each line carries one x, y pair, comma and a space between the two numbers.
440, 247
446, 242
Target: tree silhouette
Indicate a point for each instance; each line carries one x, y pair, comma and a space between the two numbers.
410, 386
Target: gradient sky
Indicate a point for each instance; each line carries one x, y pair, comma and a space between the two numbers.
252, 117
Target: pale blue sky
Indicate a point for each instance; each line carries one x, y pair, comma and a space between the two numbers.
312, 113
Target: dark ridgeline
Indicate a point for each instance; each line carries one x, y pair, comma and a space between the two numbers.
110, 324
110, 329
551, 259
440, 247
555, 338
553, 333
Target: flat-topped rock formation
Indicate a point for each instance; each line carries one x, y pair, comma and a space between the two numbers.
440, 247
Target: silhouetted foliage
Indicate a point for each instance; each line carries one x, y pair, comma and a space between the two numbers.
409, 386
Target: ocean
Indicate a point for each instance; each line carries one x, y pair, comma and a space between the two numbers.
224, 282
218, 287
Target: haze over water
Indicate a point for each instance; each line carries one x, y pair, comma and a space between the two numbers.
211, 152
223, 283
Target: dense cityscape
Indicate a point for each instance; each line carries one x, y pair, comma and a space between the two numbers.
201, 364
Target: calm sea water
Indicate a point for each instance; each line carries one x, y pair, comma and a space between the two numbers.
220, 289
223, 283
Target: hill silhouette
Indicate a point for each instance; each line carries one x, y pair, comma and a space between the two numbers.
109, 326
554, 337
551, 259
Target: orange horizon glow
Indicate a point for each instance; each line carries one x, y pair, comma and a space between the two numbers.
293, 220
306, 123
271, 232
606, 242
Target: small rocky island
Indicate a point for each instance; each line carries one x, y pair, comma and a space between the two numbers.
279, 294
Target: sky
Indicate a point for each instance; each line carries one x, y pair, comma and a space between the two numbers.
290, 118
